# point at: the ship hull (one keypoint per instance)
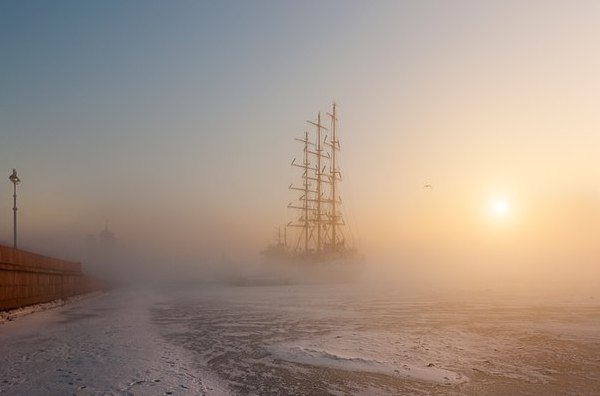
(315, 269)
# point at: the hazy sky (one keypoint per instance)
(174, 122)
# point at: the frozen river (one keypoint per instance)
(104, 344)
(305, 340)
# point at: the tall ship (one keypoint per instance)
(316, 239)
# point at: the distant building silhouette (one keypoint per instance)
(101, 250)
(107, 238)
(100, 244)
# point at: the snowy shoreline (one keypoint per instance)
(14, 314)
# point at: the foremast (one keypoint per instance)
(303, 205)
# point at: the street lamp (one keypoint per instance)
(15, 180)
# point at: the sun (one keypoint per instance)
(499, 207)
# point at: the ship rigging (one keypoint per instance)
(319, 224)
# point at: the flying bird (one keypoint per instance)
(427, 186)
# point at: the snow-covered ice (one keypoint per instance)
(104, 344)
(304, 340)
(325, 339)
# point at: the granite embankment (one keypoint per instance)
(27, 278)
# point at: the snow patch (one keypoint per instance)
(13, 314)
(315, 353)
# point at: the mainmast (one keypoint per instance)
(319, 179)
(334, 176)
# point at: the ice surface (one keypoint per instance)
(99, 345)
(343, 340)
(367, 352)
(304, 340)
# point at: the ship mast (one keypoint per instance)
(304, 221)
(320, 220)
(319, 179)
(334, 176)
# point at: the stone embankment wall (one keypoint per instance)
(28, 278)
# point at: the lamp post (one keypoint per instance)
(15, 180)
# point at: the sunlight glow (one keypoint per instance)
(500, 207)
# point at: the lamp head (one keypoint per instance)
(14, 178)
